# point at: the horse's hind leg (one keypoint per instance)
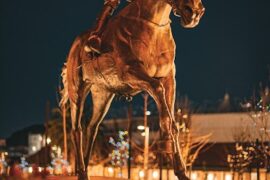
(76, 116)
(101, 102)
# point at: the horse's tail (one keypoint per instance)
(71, 74)
(64, 91)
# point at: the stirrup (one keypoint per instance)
(89, 49)
(93, 44)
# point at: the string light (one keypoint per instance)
(120, 154)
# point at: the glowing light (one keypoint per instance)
(50, 169)
(48, 140)
(148, 113)
(34, 148)
(59, 151)
(140, 127)
(194, 176)
(248, 105)
(210, 176)
(155, 174)
(141, 174)
(69, 169)
(30, 169)
(110, 170)
(54, 148)
(119, 155)
(253, 175)
(40, 138)
(143, 133)
(39, 169)
(228, 177)
(185, 116)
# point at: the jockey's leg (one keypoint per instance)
(94, 41)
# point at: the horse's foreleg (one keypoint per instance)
(101, 102)
(77, 136)
(178, 163)
(138, 79)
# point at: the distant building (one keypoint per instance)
(212, 162)
(225, 130)
(35, 143)
(18, 143)
(3, 143)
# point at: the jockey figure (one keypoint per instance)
(94, 41)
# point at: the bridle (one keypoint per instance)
(174, 7)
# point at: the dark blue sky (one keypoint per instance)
(228, 52)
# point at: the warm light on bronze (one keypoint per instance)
(137, 54)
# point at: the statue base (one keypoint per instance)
(75, 178)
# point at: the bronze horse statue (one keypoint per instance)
(138, 52)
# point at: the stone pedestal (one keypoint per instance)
(75, 178)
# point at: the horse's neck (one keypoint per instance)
(156, 11)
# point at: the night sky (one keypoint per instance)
(228, 52)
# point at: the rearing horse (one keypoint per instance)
(138, 52)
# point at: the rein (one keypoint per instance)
(146, 21)
(170, 2)
(174, 8)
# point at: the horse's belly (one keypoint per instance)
(106, 73)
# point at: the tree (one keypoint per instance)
(191, 145)
(252, 141)
(56, 135)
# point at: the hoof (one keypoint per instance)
(182, 176)
(83, 176)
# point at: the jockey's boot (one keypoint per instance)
(94, 41)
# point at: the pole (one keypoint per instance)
(146, 139)
(258, 161)
(160, 158)
(64, 132)
(146, 152)
(130, 138)
(47, 117)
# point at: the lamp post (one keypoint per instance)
(64, 132)
(130, 138)
(146, 139)
(47, 118)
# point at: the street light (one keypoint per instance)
(48, 140)
(34, 148)
(140, 127)
(228, 177)
(194, 176)
(141, 174)
(143, 134)
(110, 171)
(30, 170)
(155, 174)
(210, 176)
(185, 116)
